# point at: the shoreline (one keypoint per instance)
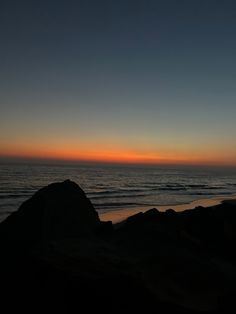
(119, 215)
(60, 255)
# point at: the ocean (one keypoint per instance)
(117, 187)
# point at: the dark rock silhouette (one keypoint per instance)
(56, 253)
(60, 210)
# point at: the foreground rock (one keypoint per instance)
(58, 211)
(56, 253)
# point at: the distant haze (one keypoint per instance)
(143, 82)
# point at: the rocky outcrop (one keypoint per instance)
(56, 253)
(57, 211)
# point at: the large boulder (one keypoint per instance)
(57, 211)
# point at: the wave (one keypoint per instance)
(213, 188)
(115, 191)
(14, 196)
(145, 191)
(120, 196)
(6, 212)
(170, 189)
(4, 190)
(210, 193)
(116, 204)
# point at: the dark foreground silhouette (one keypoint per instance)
(57, 255)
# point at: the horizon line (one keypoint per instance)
(33, 159)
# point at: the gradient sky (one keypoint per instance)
(128, 81)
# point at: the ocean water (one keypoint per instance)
(117, 187)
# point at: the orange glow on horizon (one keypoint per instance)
(114, 156)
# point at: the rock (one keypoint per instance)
(142, 217)
(136, 218)
(105, 228)
(57, 211)
(165, 262)
(151, 214)
(170, 212)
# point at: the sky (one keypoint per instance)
(119, 81)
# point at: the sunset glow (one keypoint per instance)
(117, 156)
(156, 85)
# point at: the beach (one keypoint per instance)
(57, 253)
(117, 216)
(119, 191)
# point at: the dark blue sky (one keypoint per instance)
(154, 76)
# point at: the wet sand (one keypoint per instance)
(122, 214)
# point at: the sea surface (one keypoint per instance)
(117, 187)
